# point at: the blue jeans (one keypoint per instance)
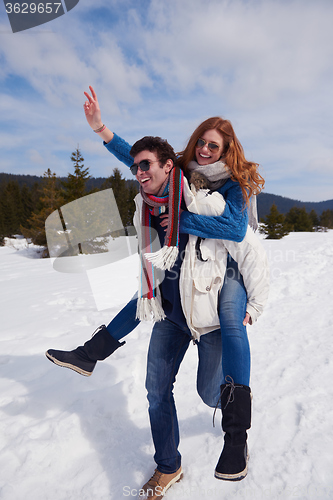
(221, 352)
(236, 358)
(125, 321)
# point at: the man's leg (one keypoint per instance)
(167, 348)
(209, 375)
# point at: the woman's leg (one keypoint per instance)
(104, 342)
(167, 348)
(226, 351)
(235, 394)
(125, 321)
(236, 358)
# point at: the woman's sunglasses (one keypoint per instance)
(143, 164)
(211, 145)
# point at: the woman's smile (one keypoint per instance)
(204, 155)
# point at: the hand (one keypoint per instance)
(165, 219)
(92, 110)
(247, 319)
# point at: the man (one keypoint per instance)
(158, 208)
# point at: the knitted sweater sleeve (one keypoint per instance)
(231, 225)
(120, 149)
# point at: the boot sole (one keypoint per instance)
(233, 477)
(68, 365)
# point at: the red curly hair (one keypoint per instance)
(243, 171)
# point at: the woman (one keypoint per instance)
(205, 261)
(212, 140)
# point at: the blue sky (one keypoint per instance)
(160, 67)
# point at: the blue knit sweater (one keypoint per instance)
(231, 225)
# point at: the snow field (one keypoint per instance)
(68, 437)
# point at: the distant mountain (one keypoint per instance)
(30, 180)
(265, 200)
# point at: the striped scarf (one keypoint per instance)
(155, 260)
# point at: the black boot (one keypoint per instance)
(236, 419)
(84, 358)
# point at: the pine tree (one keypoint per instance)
(27, 204)
(326, 219)
(120, 191)
(2, 222)
(11, 208)
(314, 219)
(51, 199)
(75, 185)
(132, 191)
(274, 225)
(298, 219)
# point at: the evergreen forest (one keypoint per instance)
(24, 208)
(27, 201)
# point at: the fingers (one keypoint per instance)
(246, 319)
(93, 93)
(90, 99)
(164, 221)
(86, 107)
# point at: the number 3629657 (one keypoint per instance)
(32, 8)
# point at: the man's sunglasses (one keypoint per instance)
(143, 164)
(211, 145)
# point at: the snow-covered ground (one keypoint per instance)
(68, 437)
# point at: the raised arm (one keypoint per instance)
(93, 115)
(231, 225)
(113, 143)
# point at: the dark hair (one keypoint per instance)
(243, 171)
(156, 145)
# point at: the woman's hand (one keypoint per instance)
(92, 110)
(247, 319)
(93, 115)
(164, 223)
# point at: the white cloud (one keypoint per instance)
(58, 67)
(323, 165)
(163, 67)
(36, 157)
(250, 52)
(123, 80)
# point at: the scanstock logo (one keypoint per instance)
(24, 15)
